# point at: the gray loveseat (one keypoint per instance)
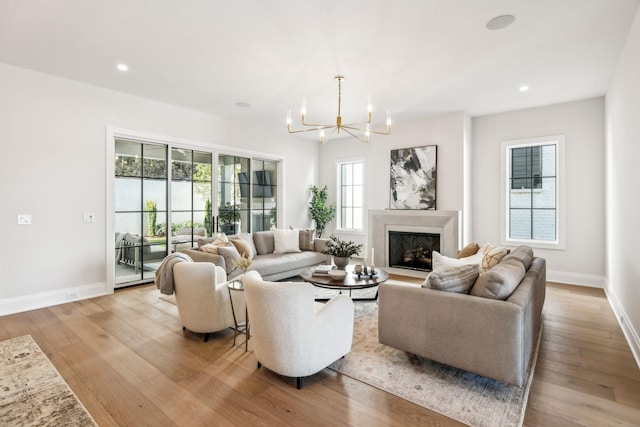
(271, 266)
(491, 337)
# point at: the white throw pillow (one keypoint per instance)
(440, 261)
(286, 241)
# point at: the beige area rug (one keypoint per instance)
(32, 392)
(457, 394)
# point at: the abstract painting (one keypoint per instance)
(413, 178)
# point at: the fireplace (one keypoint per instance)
(412, 251)
(429, 222)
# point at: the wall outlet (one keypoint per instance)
(89, 217)
(24, 219)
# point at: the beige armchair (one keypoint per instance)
(203, 299)
(291, 335)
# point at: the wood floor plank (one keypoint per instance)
(129, 361)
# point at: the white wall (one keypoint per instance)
(53, 166)
(446, 131)
(582, 122)
(623, 201)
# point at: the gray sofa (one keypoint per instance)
(271, 266)
(491, 337)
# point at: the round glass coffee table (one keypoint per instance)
(350, 282)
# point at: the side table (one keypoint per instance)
(236, 286)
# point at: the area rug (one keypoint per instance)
(457, 394)
(32, 392)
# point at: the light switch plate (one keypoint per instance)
(24, 219)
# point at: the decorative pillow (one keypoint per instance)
(230, 255)
(306, 237)
(286, 241)
(454, 279)
(248, 237)
(523, 253)
(202, 242)
(492, 256)
(221, 240)
(242, 246)
(264, 242)
(467, 251)
(440, 261)
(500, 281)
(210, 248)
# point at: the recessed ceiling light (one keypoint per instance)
(122, 67)
(243, 104)
(500, 22)
(524, 88)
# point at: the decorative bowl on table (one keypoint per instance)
(337, 274)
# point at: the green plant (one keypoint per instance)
(207, 216)
(227, 214)
(320, 212)
(341, 248)
(152, 214)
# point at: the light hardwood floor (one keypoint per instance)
(128, 360)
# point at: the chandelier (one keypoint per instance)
(361, 131)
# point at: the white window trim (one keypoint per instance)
(559, 141)
(353, 231)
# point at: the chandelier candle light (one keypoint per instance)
(361, 131)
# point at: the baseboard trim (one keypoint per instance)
(631, 335)
(47, 299)
(589, 280)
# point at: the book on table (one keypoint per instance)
(323, 270)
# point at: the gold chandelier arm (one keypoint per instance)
(355, 135)
(308, 130)
(317, 126)
(377, 132)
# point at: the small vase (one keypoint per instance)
(341, 262)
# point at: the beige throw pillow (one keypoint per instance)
(285, 241)
(440, 261)
(492, 256)
(467, 251)
(453, 279)
(243, 247)
(210, 248)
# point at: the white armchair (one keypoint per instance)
(203, 299)
(290, 334)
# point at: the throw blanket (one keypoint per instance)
(164, 273)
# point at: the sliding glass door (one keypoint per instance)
(140, 210)
(167, 197)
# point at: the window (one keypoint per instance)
(350, 199)
(532, 201)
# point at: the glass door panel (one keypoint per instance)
(264, 195)
(190, 197)
(233, 194)
(140, 202)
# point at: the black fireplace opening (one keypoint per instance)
(412, 251)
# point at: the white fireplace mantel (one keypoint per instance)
(381, 221)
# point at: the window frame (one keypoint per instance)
(339, 201)
(506, 147)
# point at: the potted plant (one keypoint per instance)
(228, 219)
(320, 212)
(341, 250)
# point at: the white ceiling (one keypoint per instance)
(413, 57)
